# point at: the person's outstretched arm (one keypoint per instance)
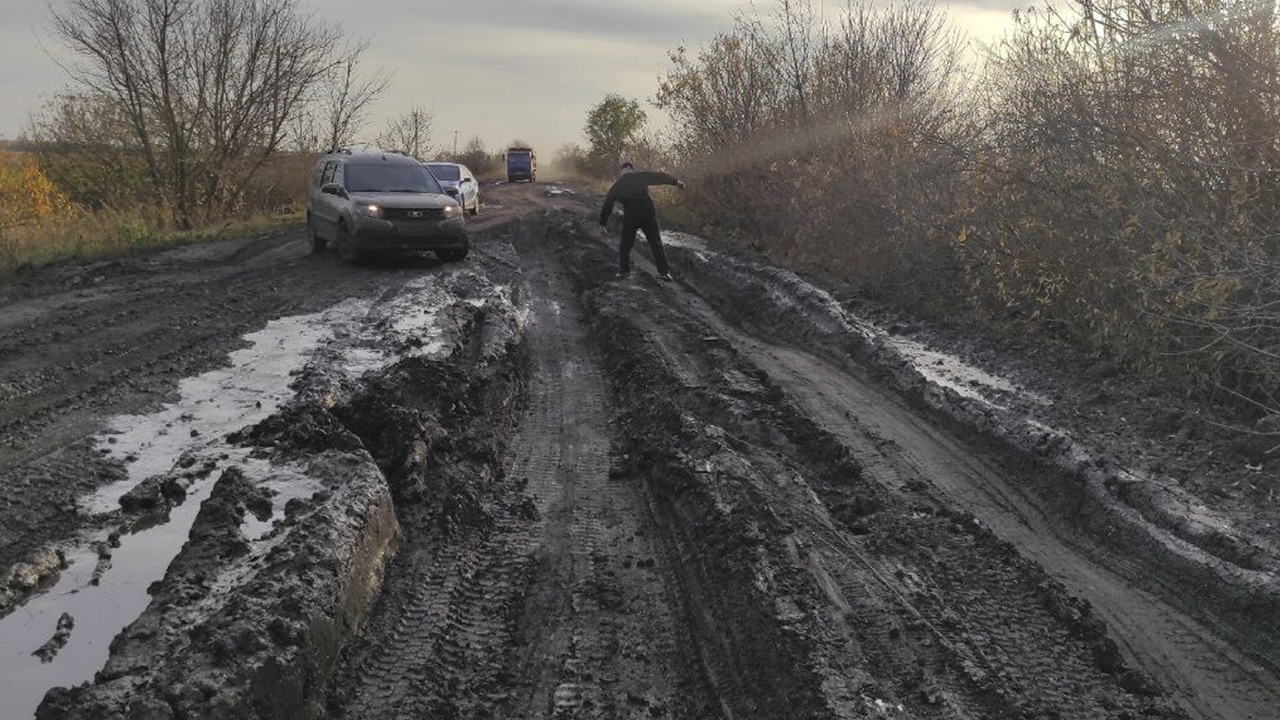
(654, 177)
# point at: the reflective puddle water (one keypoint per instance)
(103, 596)
(192, 430)
(955, 374)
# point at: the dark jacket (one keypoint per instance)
(632, 190)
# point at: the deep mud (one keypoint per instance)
(519, 488)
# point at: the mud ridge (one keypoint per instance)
(277, 634)
(438, 430)
(1211, 569)
(862, 587)
(252, 615)
(553, 596)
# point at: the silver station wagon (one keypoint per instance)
(373, 202)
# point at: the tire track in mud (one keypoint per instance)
(910, 603)
(951, 626)
(1193, 662)
(555, 611)
(597, 635)
(1205, 673)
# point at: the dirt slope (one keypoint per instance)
(714, 498)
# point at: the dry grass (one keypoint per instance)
(52, 212)
(113, 233)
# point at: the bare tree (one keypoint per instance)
(347, 96)
(797, 38)
(410, 133)
(208, 87)
(304, 132)
(727, 92)
(87, 147)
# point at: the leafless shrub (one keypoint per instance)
(1128, 196)
(825, 140)
(347, 96)
(86, 145)
(206, 88)
(478, 158)
(409, 133)
(1112, 178)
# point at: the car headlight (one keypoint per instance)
(450, 211)
(369, 209)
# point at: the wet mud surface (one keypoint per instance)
(515, 487)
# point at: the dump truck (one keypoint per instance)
(522, 164)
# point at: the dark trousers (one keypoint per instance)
(652, 233)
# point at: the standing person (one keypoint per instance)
(639, 213)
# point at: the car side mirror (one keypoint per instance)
(466, 180)
(333, 189)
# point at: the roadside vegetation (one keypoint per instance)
(1106, 174)
(50, 212)
(183, 120)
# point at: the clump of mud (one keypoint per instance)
(238, 629)
(26, 575)
(427, 425)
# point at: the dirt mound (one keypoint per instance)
(214, 644)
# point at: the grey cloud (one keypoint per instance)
(1005, 5)
(661, 20)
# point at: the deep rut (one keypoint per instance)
(920, 604)
(596, 638)
(1206, 674)
(559, 609)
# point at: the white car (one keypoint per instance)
(459, 184)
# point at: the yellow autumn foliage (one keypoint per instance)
(39, 224)
(27, 197)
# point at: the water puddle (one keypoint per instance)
(937, 367)
(955, 374)
(104, 594)
(99, 611)
(250, 389)
(684, 240)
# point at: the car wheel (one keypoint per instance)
(475, 208)
(318, 244)
(346, 245)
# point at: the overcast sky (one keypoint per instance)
(500, 69)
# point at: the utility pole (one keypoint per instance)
(455, 143)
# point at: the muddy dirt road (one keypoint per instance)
(241, 481)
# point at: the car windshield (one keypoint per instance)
(388, 177)
(446, 172)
